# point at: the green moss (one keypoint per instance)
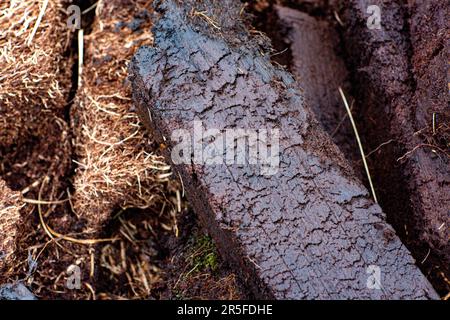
(204, 255)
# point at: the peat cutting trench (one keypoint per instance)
(292, 213)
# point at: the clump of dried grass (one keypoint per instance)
(129, 266)
(34, 86)
(35, 74)
(117, 168)
(10, 206)
(116, 165)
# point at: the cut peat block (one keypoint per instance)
(307, 229)
(400, 86)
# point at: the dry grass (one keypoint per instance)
(116, 167)
(34, 84)
(35, 75)
(361, 149)
(10, 206)
(129, 266)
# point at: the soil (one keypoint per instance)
(34, 134)
(116, 164)
(10, 206)
(182, 266)
(211, 70)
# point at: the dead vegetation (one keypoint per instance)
(60, 230)
(92, 191)
(32, 60)
(116, 165)
(117, 169)
(34, 137)
(435, 137)
(194, 269)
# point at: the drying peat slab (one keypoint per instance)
(299, 228)
(400, 83)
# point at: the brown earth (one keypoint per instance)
(34, 136)
(116, 163)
